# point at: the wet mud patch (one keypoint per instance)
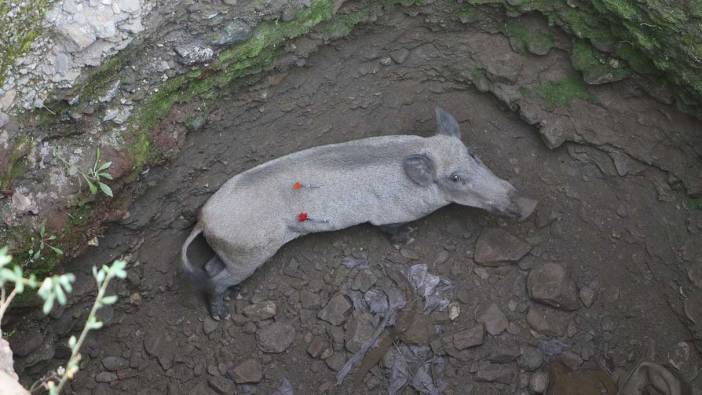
(624, 239)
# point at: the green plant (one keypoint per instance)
(96, 174)
(54, 289)
(35, 253)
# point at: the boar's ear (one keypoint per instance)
(446, 124)
(420, 169)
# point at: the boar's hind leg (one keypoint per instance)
(220, 282)
(399, 234)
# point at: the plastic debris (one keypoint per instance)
(399, 373)
(376, 300)
(395, 302)
(432, 288)
(353, 263)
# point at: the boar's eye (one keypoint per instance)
(455, 178)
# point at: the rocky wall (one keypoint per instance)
(138, 105)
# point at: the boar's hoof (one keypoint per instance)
(218, 307)
(398, 234)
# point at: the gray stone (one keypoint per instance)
(80, 35)
(587, 296)
(336, 361)
(399, 56)
(409, 253)
(310, 300)
(539, 47)
(504, 353)
(260, 311)
(531, 359)
(44, 352)
(359, 331)
(363, 281)
(189, 54)
(495, 247)
(234, 32)
(694, 272)
(111, 93)
(117, 115)
(22, 203)
(276, 337)
(550, 284)
(335, 311)
(495, 373)
(494, 319)
(419, 331)
(105, 377)
(248, 371)
(113, 363)
(553, 131)
(130, 6)
(547, 321)
(571, 359)
(317, 346)
(209, 325)
(62, 63)
(221, 385)
(538, 382)
(162, 347)
(24, 342)
(470, 337)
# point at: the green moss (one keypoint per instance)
(595, 66)
(19, 30)
(638, 62)
(528, 40)
(668, 34)
(562, 92)
(468, 15)
(15, 162)
(100, 81)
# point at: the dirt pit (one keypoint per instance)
(625, 243)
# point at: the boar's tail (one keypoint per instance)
(192, 248)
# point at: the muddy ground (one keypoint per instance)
(625, 236)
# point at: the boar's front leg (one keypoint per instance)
(399, 233)
(220, 282)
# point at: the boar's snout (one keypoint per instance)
(520, 207)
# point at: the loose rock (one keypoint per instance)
(310, 300)
(550, 284)
(105, 377)
(276, 337)
(317, 346)
(358, 332)
(209, 325)
(470, 337)
(494, 319)
(492, 372)
(335, 311)
(363, 281)
(113, 363)
(221, 384)
(504, 353)
(587, 296)
(538, 382)
(547, 321)
(495, 247)
(531, 359)
(260, 311)
(248, 371)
